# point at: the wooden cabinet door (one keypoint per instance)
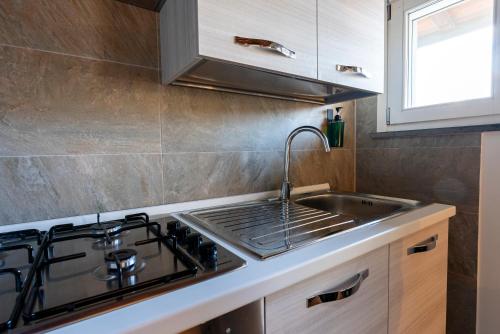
(351, 40)
(291, 23)
(417, 282)
(311, 306)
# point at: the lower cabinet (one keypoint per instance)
(417, 282)
(396, 289)
(351, 298)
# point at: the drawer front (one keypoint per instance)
(292, 24)
(313, 307)
(351, 39)
(417, 282)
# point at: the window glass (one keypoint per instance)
(449, 52)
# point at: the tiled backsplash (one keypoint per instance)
(85, 125)
(442, 169)
(97, 29)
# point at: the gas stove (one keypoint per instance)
(51, 278)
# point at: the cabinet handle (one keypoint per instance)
(342, 291)
(354, 70)
(265, 44)
(424, 246)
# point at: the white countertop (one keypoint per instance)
(184, 308)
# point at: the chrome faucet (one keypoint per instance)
(286, 186)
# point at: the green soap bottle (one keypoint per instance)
(335, 132)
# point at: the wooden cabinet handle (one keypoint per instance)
(342, 291)
(424, 246)
(265, 44)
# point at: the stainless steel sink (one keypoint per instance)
(268, 228)
(361, 206)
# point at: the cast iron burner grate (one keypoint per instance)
(18, 241)
(118, 262)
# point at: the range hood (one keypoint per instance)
(223, 76)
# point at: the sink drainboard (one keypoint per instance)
(273, 227)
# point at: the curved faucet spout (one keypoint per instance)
(286, 186)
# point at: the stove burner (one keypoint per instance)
(102, 244)
(124, 259)
(106, 228)
(104, 273)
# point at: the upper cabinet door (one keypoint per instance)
(280, 35)
(351, 43)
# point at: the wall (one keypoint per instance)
(488, 302)
(443, 169)
(85, 125)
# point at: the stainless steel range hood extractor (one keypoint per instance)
(224, 76)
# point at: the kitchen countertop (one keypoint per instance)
(184, 308)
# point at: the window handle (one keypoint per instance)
(342, 291)
(354, 70)
(265, 44)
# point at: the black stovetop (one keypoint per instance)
(48, 279)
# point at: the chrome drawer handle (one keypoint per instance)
(265, 44)
(354, 70)
(343, 291)
(424, 246)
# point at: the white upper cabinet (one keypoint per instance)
(287, 29)
(351, 43)
(287, 49)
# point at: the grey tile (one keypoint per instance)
(193, 176)
(316, 167)
(461, 305)
(54, 104)
(104, 29)
(40, 188)
(195, 120)
(366, 122)
(463, 244)
(443, 175)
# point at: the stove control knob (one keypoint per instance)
(208, 252)
(182, 234)
(193, 242)
(172, 227)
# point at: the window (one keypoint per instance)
(442, 56)
(443, 39)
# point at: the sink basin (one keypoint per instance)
(363, 207)
(268, 228)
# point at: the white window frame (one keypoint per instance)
(392, 114)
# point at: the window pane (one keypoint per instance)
(449, 52)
